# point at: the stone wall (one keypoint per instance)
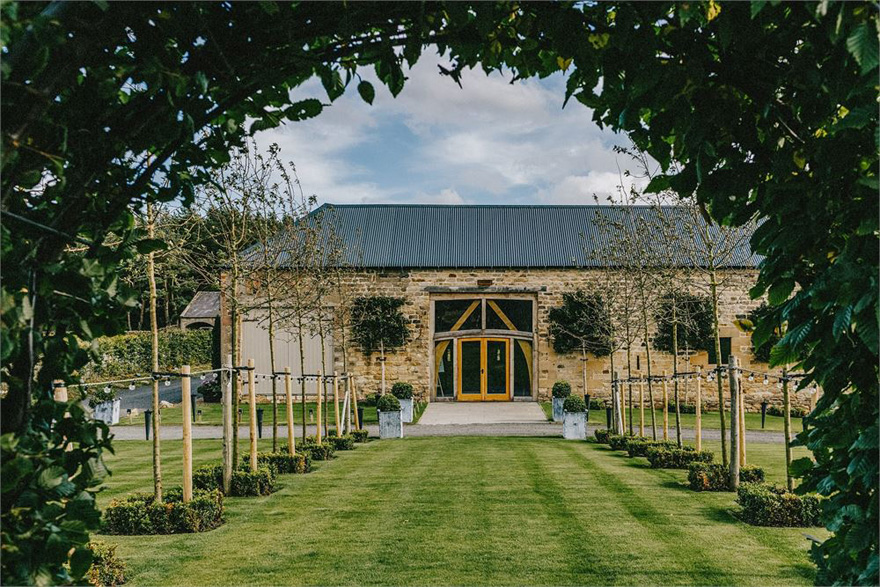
(413, 363)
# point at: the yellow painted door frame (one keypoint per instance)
(483, 394)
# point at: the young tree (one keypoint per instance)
(378, 324)
(582, 323)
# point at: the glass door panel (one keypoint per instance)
(470, 382)
(496, 368)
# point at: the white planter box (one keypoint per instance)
(574, 426)
(406, 410)
(108, 412)
(390, 425)
(557, 408)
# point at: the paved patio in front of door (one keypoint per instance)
(469, 413)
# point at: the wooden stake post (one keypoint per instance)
(354, 403)
(698, 423)
(742, 425)
(252, 399)
(336, 402)
(318, 409)
(733, 375)
(60, 390)
(288, 397)
(665, 409)
(186, 414)
(641, 406)
(228, 465)
(786, 409)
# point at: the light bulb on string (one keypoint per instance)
(779, 384)
(202, 376)
(167, 382)
(107, 389)
(766, 380)
(751, 377)
(131, 386)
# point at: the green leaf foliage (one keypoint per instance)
(693, 317)
(581, 323)
(377, 322)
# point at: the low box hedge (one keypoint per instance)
(360, 435)
(601, 435)
(107, 569)
(318, 452)
(618, 441)
(282, 462)
(764, 504)
(676, 458)
(638, 446)
(245, 483)
(344, 442)
(139, 513)
(716, 477)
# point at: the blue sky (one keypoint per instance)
(488, 143)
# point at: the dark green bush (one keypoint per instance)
(107, 569)
(618, 441)
(716, 477)
(778, 411)
(686, 408)
(402, 390)
(345, 442)
(140, 514)
(131, 353)
(211, 391)
(676, 458)
(638, 446)
(574, 403)
(369, 401)
(360, 435)
(317, 452)
(597, 404)
(601, 435)
(764, 504)
(282, 462)
(245, 483)
(561, 389)
(388, 403)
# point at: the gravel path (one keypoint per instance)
(542, 429)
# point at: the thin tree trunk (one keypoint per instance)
(141, 316)
(323, 397)
(167, 303)
(786, 410)
(584, 368)
(274, 381)
(302, 373)
(675, 373)
(648, 361)
(154, 340)
(713, 283)
(236, 361)
(629, 384)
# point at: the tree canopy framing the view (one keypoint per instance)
(768, 109)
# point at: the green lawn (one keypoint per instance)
(710, 420)
(212, 415)
(460, 510)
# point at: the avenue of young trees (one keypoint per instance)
(759, 111)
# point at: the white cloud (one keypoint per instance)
(590, 188)
(492, 140)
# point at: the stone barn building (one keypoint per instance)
(478, 284)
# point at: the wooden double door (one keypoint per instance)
(483, 369)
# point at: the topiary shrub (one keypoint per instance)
(107, 569)
(574, 404)
(360, 435)
(245, 483)
(211, 391)
(317, 452)
(716, 477)
(561, 389)
(764, 504)
(282, 462)
(601, 435)
(402, 390)
(638, 446)
(388, 403)
(345, 442)
(676, 458)
(140, 514)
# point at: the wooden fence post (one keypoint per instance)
(742, 424)
(226, 398)
(336, 402)
(354, 403)
(186, 414)
(318, 409)
(59, 390)
(733, 376)
(291, 442)
(665, 409)
(786, 409)
(252, 399)
(698, 420)
(619, 405)
(641, 405)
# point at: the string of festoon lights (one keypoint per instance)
(165, 378)
(719, 371)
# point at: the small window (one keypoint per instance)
(725, 351)
(454, 315)
(509, 315)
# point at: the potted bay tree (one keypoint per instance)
(561, 390)
(390, 420)
(574, 423)
(404, 393)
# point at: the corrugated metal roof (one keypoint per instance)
(466, 236)
(205, 304)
